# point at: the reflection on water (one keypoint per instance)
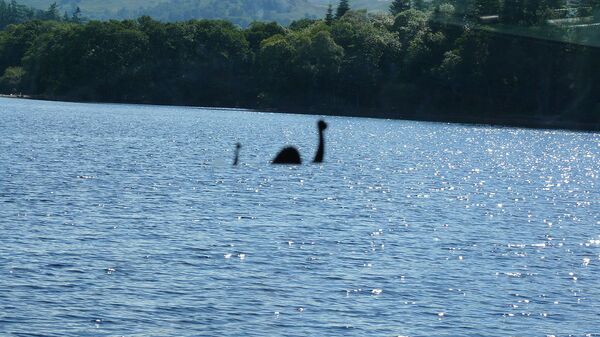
(131, 220)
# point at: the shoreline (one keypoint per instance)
(422, 116)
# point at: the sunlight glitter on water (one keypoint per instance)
(156, 234)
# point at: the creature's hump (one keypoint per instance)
(288, 155)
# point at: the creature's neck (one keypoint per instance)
(321, 150)
(237, 156)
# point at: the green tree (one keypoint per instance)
(398, 6)
(329, 16)
(342, 9)
(76, 17)
(13, 9)
(260, 31)
(442, 15)
(275, 63)
(423, 46)
(369, 54)
(52, 13)
(17, 40)
(12, 80)
(13, 12)
(101, 60)
(300, 68)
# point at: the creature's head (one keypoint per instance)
(322, 125)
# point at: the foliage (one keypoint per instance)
(12, 79)
(13, 12)
(260, 31)
(329, 16)
(419, 63)
(343, 8)
(398, 6)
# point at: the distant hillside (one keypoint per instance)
(239, 11)
(372, 5)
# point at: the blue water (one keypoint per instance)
(120, 220)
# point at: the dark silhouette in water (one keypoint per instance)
(238, 146)
(290, 155)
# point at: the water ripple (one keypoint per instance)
(129, 220)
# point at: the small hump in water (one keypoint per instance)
(288, 155)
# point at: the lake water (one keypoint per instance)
(122, 220)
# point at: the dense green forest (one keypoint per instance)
(485, 61)
(13, 12)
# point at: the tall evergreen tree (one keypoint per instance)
(13, 9)
(329, 15)
(399, 6)
(52, 13)
(343, 7)
(76, 15)
(13, 12)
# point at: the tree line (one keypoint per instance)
(12, 13)
(423, 60)
(240, 12)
